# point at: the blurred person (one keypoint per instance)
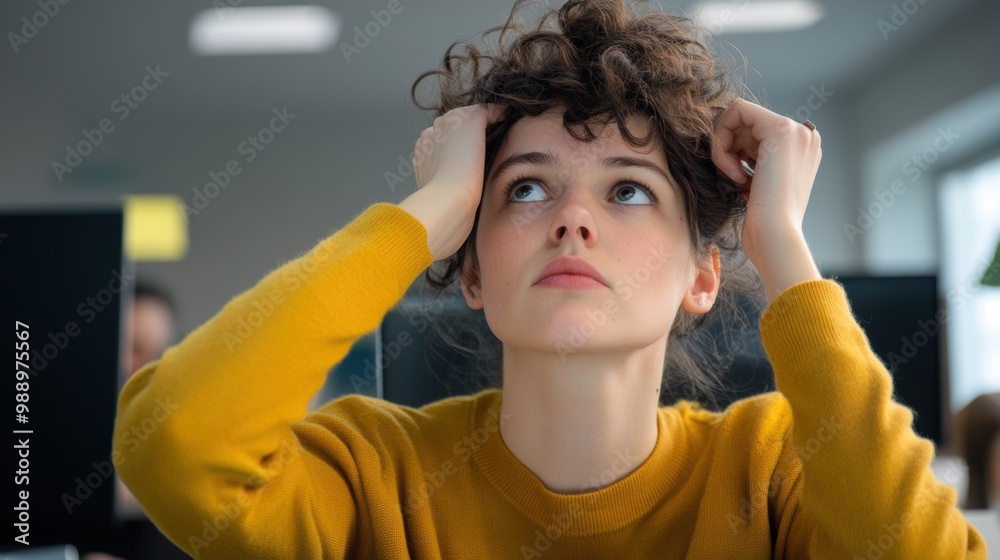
(582, 187)
(152, 322)
(978, 443)
(151, 327)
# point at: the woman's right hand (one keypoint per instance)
(448, 162)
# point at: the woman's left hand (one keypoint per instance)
(787, 156)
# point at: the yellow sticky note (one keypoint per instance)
(155, 229)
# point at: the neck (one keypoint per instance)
(580, 421)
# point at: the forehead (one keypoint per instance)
(545, 132)
(149, 307)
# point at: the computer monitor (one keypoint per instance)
(891, 311)
(64, 277)
(413, 370)
(899, 316)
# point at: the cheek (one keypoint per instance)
(500, 251)
(652, 269)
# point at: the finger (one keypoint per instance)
(746, 145)
(743, 113)
(739, 136)
(751, 124)
(734, 117)
(723, 156)
(733, 133)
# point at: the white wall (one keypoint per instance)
(893, 116)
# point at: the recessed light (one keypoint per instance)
(757, 16)
(263, 30)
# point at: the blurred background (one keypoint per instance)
(275, 138)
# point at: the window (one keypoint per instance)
(970, 230)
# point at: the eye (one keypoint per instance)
(628, 191)
(521, 190)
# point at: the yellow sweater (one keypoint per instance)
(215, 441)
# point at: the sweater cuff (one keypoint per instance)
(804, 314)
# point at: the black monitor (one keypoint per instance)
(413, 370)
(62, 285)
(891, 310)
(900, 317)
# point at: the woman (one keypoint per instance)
(590, 249)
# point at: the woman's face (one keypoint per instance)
(586, 203)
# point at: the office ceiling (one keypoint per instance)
(90, 53)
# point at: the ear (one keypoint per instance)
(470, 283)
(701, 295)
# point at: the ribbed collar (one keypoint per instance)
(607, 509)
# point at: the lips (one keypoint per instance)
(571, 265)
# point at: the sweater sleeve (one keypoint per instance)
(207, 437)
(866, 488)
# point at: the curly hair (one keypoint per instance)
(603, 61)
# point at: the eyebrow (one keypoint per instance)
(547, 158)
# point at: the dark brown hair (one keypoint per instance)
(603, 61)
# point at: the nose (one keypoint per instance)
(573, 221)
